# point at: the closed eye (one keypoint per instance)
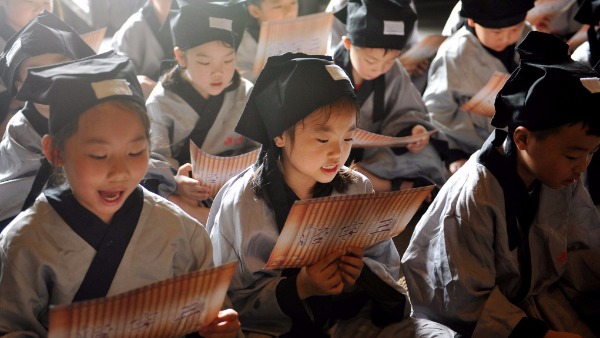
(322, 140)
(139, 153)
(97, 157)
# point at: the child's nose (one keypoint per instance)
(119, 169)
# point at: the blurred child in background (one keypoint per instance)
(464, 64)
(44, 41)
(202, 97)
(260, 11)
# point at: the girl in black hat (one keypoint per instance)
(202, 97)
(101, 234)
(303, 111)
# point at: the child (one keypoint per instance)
(260, 11)
(511, 244)
(389, 103)
(416, 70)
(102, 234)
(44, 41)
(464, 64)
(202, 98)
(146, 38)
(14, 15)
(306, 135)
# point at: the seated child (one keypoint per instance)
(464, 63)
(389, 103)
(100, 234)
(44, 41)
(303, 111)
(14, 15)
(146, 38)
(202, 97)
(511, 244)
(260, 11)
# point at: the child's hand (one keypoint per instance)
(350, 267)
(454, 166)
(147, 85)
(226, 325)
(321, 278)
(189, 188)
(417, 146)
(415, 67)
(556, 334)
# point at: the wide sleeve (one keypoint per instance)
(453, 79)
(242, 229)
(450, 264)
(581, 279)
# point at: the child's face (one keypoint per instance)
(319, 149)
(20, 12)
(38, 61)
(497, 39)
(559, 159)
(369, 63)
(106, 158)
(209, 67)
(274, 10)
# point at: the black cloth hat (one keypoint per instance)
(548, 88)
(289, 88)
(496, 13)
(72, 88)
(199, 22)
(45, 34)
(380, 23)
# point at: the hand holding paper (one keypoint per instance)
(170, 308)
(316, 228)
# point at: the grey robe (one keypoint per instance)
(461, 272)
(169, 112)
(404, 108)
(243, 229)
(20, 155)
(461, 67)
(136, 40)
(43, 261)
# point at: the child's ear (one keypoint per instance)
(521, 137)
(50, 151)
(279, 141)
(470, 22)
(347, 42)
(254, 11)
(179, 56)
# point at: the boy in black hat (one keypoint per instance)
(260, 11)
(101, 234)
(463, 65)
(389, 103)
(510, 246)
(44, 41)
(202, 97)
